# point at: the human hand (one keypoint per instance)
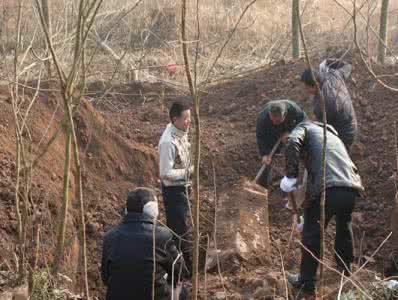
(284, 137)
(266, 160)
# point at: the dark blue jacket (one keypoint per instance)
(339, 108)
(127, 260)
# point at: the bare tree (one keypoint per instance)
(323, 178)
(394, 216)
(62, 218)
(20, 154)
(73, 83)
(383, 30)
(47, 20)
(295, 29)
(22, 104)
(195, 89)
(195, 100)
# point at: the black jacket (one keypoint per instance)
(127, 260)
(339, 108)
(268, 133)
(306, 141)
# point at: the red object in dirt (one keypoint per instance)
(263, 94)
(172, 68)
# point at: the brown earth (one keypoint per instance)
(228, 114)
(111, 167)
(118, 149)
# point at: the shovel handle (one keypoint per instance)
(275, 147)
(293, 203)
(271, 155)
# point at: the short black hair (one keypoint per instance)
(176, 109)
(307, 78)
(137, 198)
(278, 108)
(335, 63)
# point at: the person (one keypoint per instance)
(129, 254)
(175, 171)
(343, 187)
(275, 120)
(340, 111)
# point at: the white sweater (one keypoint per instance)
(175, 157)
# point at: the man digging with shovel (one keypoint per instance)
(274, 123)
(343, 185)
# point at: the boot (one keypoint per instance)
(295, 280)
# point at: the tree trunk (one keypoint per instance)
(383, 31)
(295, 29)
(196, 204)
(47, 20)
(195, 180)
(394, 218)
(65, 201)
(323, 178)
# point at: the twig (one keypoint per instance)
(396, 155)
(172, 278)
(205, 264)
(215, 225)
(154, 262)
(363, 266)
(209, 73)
(195, 100)
(361, 248)
(334, 270)
(341, 288)
(291, 235)
(59, 250)
(283, 271)
(371, 257)
(370, 71)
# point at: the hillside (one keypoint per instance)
(118, 134)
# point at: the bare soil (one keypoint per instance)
(118, 136)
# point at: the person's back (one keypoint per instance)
(127, 261)
(343, 187)
(340, 111)
(131, 264)
(337, 98)
(340, 170)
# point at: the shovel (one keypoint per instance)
(293, 204)
(263, 175)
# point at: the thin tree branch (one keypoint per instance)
(368, 68)
(210, 71)
(323, 179)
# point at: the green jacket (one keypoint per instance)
(268, 133)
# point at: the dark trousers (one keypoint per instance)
(340, 202)
(177, 216)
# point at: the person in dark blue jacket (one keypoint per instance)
(130, 253)
(340, 111)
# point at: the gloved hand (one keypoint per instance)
(288, 184)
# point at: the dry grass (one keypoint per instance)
(148, 37)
